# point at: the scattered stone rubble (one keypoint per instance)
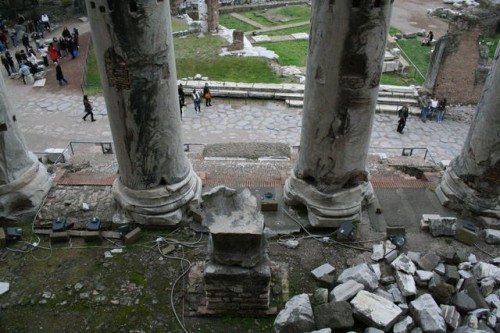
(417, 292)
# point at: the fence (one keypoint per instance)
(413, 72)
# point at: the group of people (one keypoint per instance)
(196, 97)
(27, 63)
(21, 29)
(431, 105)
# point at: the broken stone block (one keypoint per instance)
(388, 247)
(326, 281)
(472, 289)
(197, 214)
(345, 291)
(132, 236)
(451, 275)
(424, 275)
(487, 285)
(428, 314)
(334, 315)
(404, 264)
(4, 287)
(429, 261)
(440, 269)
(391, 256)
(414, 256)
(236, 227)
(323, 330)
(463, 302)
(362, 274)
(491, 236)
(373, 330)
(465, 274)
(376, 269)
(451, 316)
(406, 284)
(404, 326)
(482, 270)
(493, 300)
(466, 236)
(465, 266)
(444, 226)
(296, 317)
(375, 310)
(396, 295)
(404, 308)
(388, 280)
(377, 252)
(91, 236)
(325, 269)
(441, 291)
(384, 294)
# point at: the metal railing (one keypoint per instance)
(415, 68)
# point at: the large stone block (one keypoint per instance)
(296, 317)
(428, 314)
(345, 291)
(334, 315)
(236, 227)
(375, 310)
(361, 274)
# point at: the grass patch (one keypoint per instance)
(291, 53)
(178, 24)
(233, 23)
(393, 31)
(491, 42)
(195, 55)
(419, 55)
(93, 86)
(280, 15)
(393, 79)
(289, 31)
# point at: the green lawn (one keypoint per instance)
(492, 43)
(280, 15)
(233, 23)
(288, 31)
(419, 55)
(291, 53)
(93, 86)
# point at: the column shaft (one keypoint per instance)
(135, 55)
(472, 180)
(346, 51)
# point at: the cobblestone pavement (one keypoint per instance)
(52, 120)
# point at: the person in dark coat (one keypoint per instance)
(11, 61)
(5, 64)
(88, 108)
(207, 95)
(59, 75)
(403, 115)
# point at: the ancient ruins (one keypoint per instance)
(156, 181)
(343, 74)
(24, 181)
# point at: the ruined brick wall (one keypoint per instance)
(459, 77)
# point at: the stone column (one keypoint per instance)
(135, 56)
(203, 15)
(344, 64)
(472, 181)
(213, 15)
(24, 181)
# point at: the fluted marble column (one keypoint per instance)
(472, 181)
(135, 55)
(24, 181)
(344, 64)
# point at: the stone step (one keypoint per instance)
(396, 100)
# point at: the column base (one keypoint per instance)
(165, 206)
(21, 199)
(328, 210)
(452, 192)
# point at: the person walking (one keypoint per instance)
(59, 75)
(180, 92)
(196, 100)
(403, 115)
(45, 21)
(10, 61)
(425, 103)
(5, 63)
(88, 109)
(207, 95)
(441, 110)
(26, 42)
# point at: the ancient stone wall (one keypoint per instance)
(454, 71)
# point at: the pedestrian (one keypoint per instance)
(434, 106)
(25, 71)
(19, 58)
(5, 63)
(428, 39)
(63, 47)
(424, 102)
(403, 115)
(26, 42)
(196, 100)
(66, 33)
(52, 50)
(207, 95)
(11, 61)
(46, 22)
(88, 108)
(59, 75)
(441, 110)
(13, 36)
(180, 91)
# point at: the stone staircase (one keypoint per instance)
(390, 98)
